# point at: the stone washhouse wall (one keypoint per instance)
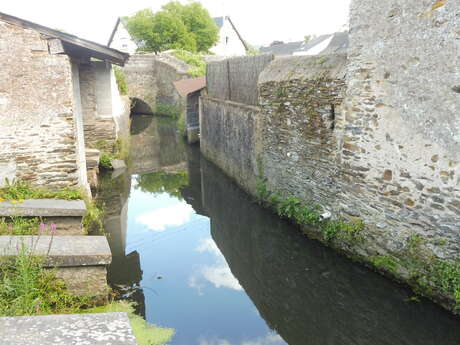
(38, 121)
(150, 78)
(372, 137)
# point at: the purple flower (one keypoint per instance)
(53, 228)
(17, 247)
(42, 228)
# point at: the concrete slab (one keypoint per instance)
(79, 329)
(44, 208)
(61, 251)
(118, 164)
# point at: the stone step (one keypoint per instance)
(44, 208)
(61, 251)
(75, 329)
(80, 261)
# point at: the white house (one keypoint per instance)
(230, 41)
(120, 38)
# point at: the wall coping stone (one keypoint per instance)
(231, 103)
(96, 329)
(44, 208)
(287, 68)
(61, 251)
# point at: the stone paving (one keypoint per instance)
(78, 329)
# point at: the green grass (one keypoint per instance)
(26, 288)
(145, 333)
(19, 225)
(196, 61)
(20, 191)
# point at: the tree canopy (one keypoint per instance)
(175, 26)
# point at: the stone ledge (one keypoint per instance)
(94, 329)
(65, 251)
(44, 208)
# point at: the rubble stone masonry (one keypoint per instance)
(37, 124)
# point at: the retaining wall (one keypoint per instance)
(373, 137)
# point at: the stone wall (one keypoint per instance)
(96, 98)
(150, 78)
(301, 99)
(228, 138)
(372, 137)
(38, 135)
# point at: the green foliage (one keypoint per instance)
(385, 262)
(168, 110)
(121, 80)
(20, 191)
(105, 161)
(293, 208)
(145, 333)
(251, 50)
(26, 288)
(175, 26)
(197, 21)
(163, 182)
(195, 60)
(111, 151)
(19, 225)
(447, 277)
(93, 220)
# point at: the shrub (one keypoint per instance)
(121, 80)
(196, 61)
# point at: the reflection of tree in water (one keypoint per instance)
(163, 182)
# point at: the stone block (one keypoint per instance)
(118, 164)
(61, 251)
(94, 329)
(44, 208)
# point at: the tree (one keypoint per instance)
(159, 31)
(175, 26)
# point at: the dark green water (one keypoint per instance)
(200, 257)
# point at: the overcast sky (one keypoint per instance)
(259, 21)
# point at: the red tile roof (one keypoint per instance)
(186, 86)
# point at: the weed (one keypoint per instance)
(385, 262)
(196, 61)
(121, 80)
(93, 220)
(19, 225)
(26, 288)
(19, 191)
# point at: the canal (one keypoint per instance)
(198, 255)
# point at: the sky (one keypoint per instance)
(260, 22)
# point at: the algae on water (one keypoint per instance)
(145, 333)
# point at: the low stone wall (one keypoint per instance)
(301, 99)
(228, 138)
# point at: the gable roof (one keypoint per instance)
(220, 23)
(73, 45)
(282, 49)
(335, 43)
(120, 20)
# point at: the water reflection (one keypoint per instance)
(203, 259)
